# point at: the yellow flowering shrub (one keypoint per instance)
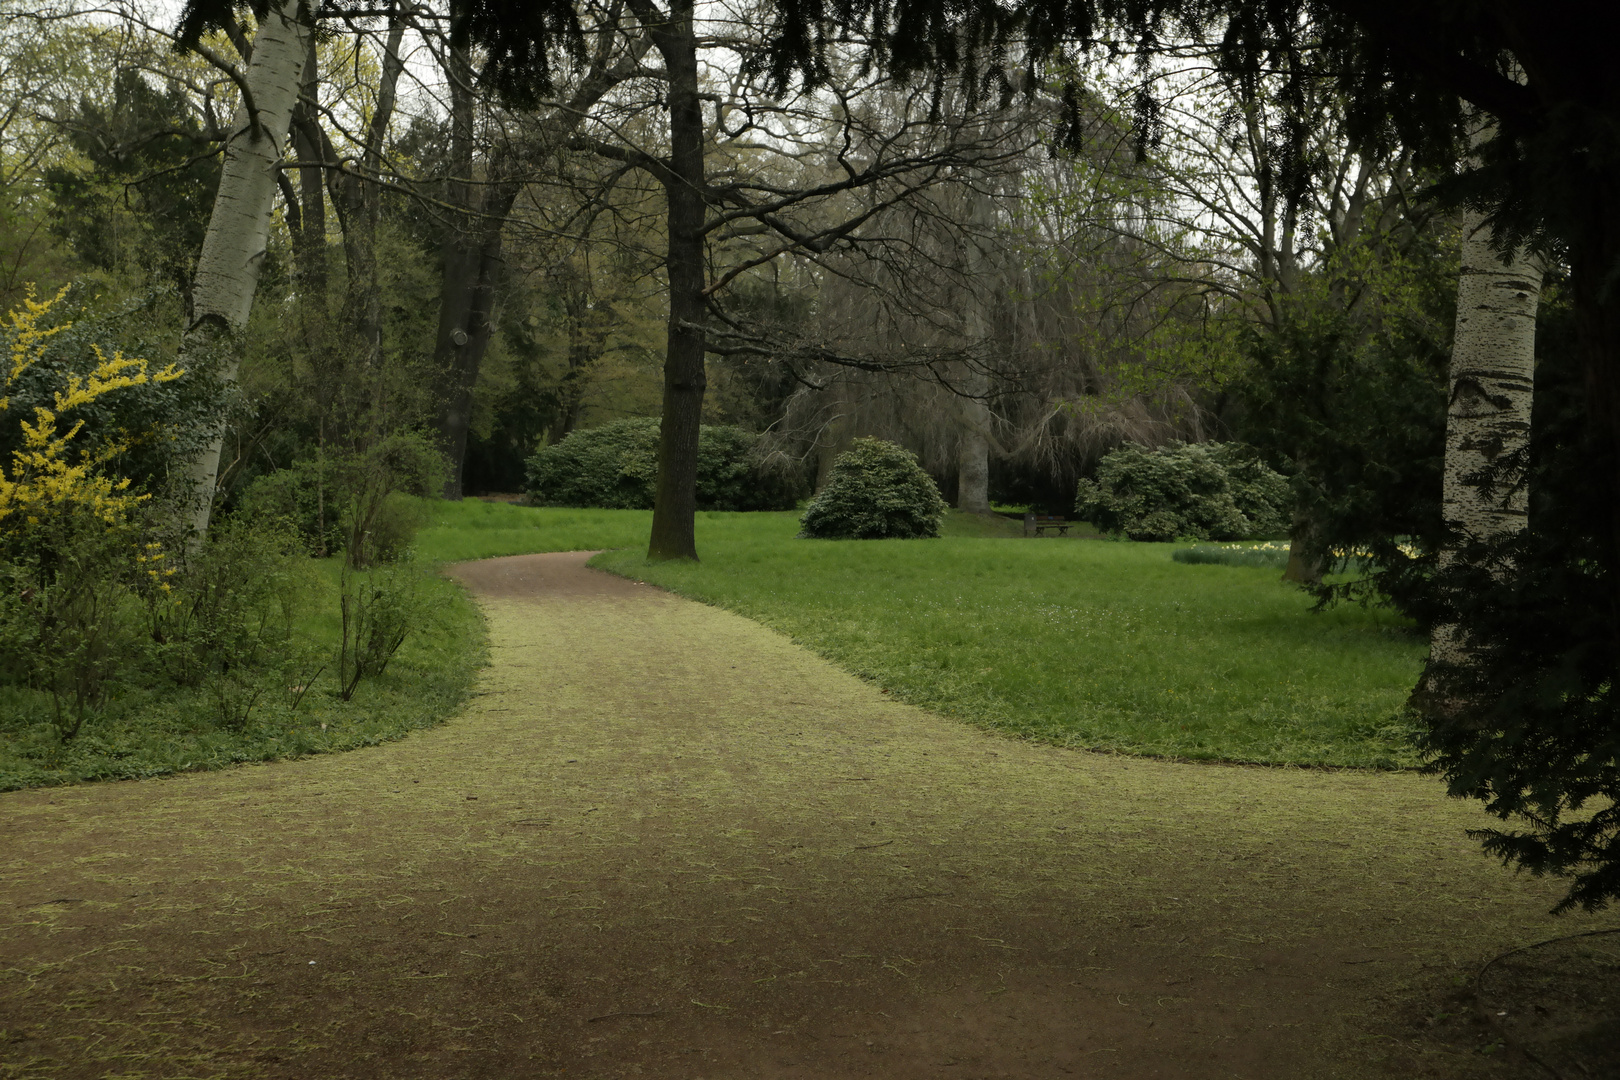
(49, 472)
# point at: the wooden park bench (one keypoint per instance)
(1035, 524)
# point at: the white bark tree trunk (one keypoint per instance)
(1492, 371)
(238, 229)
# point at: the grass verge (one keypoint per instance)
(474, 529)
(152, 731)
(1109, 646)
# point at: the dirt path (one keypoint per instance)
(665, 842)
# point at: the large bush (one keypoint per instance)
(876, 490)
(615, 467)
(1206, 491)
(1262, 494)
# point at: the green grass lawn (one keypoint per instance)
(473, 529)
(1081, 642)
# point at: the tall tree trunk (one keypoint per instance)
(309, 246)
(472, 264)
(835, 435)
(973, 450)
(584, 349)
(356, 197)
(1303, 568)
(675, 505)
(472, 257)
(238, 229)
(471, 248)
(1492, 373)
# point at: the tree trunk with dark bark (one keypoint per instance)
(584, 349)
(675, 505)
(472, 258)
(309, 245)
(357, 199)
(973, 449)
(472, 266)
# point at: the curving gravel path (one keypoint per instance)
(666, 842)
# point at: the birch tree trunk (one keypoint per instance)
(1492, 370)
(238, 229)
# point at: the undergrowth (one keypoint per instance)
(145, 731)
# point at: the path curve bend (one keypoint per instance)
(663, 841)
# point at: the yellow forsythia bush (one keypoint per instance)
(48, 472)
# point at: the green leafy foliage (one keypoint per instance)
(144, 190)
(67, 615)
(379, 611)
(233, 603)
(1273, 556)
(875, 491)
(286, 704)
(1202, 491)
(145, 431)
(356, 501)
(101, 614)
(615, 467)
(1355, 415)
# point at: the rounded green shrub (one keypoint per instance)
(615, 467)
(1202, 491)
(876, 490)
(1262, 494)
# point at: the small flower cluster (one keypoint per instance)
(159, 576)
(1409, 550)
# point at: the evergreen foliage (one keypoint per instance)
(141, 191)
(876, 491)
(1528, 725)
(615, 467)
(1352, 406)
(1204, 491)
